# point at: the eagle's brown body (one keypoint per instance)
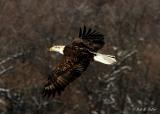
(77, 57)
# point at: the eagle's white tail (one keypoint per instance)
(102, 58)
(105, 59)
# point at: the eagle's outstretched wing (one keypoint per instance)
(77, 57)
(58, 84)
(91, 38)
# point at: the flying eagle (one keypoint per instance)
(76, 58)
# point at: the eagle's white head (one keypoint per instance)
(57, 49)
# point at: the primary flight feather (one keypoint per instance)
(76, 58)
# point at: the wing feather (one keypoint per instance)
(91, 38)
(80, 32)
(89, 31)
(84, 30)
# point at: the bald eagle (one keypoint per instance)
(76, 58)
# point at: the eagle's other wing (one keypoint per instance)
(91, 38)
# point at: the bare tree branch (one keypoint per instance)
(6, 70)
(11, 57)
(4, 61)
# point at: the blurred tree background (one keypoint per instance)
(132, 33)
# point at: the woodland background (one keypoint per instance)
(132, 33)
